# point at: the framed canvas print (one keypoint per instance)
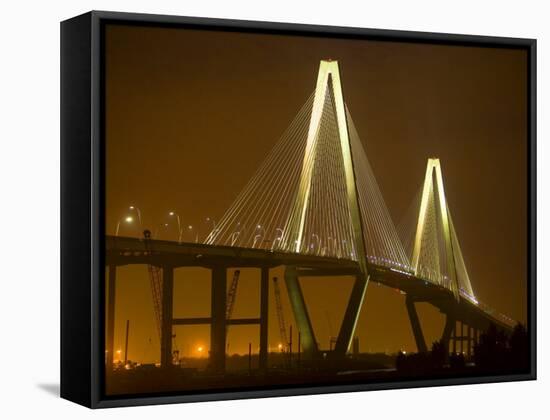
(255, 209)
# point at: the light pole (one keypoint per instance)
(344, 247)
(208, 220)
(277, 238)
(180, 230)
(190, 228)
(258, 235)
(138, 211)
(127, 219)
(162, 225)
(235, 235)
(318, 241)
(354, 251)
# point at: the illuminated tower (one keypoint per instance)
(328, 83)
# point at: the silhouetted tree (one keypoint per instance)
(457, 361)
(419, 363)
(519, 348)
(492, 351)
(400, 361)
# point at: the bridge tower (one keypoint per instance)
(433, 169)
(328, 83)
(437, 256)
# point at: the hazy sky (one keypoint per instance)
(191, 114)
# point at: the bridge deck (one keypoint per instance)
(125, 251)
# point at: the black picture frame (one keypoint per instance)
(83, 195)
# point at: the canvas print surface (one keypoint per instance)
(290, 211)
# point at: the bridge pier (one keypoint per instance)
(167, 316)
(469, 338)
(416, 327)
(450, 324)
(462, 338)
(110, 329)
(218, 325)
(298, 304)
(305, 329)
(455, 332)
(352, 314)
(264, 306)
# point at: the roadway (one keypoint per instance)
(126, 250)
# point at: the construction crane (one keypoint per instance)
(232, 295)
(280, 316)
(155, 277)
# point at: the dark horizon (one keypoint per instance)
(185, 112)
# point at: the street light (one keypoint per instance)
(127, 219)
(180, 230)
(162, 225)
(344, 247)
(138, 211)
(255, 239)
(190, 228)
(318, 241)
(277, 238)
(212, 232)
(209, 220)
(235, 235)
(258, 235)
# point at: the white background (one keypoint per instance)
(29, 207)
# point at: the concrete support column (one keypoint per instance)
(416, 327)
(218, 326)
(110, 325)
(447, 330)
(455, 330)
(351, 315)
(461, 337)
(469, 343)
(264, 301)
(475, 340)
(167, 316)
(298, 304)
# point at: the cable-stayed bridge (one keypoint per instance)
(314, 207)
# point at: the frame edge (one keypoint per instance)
(76, 224)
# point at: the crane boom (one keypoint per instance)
(155, 277)
(232, 295)
(280, 316)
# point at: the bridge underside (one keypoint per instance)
(170, 255)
